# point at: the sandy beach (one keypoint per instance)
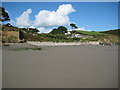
(63, 43)
(61, 67)
(0, 67)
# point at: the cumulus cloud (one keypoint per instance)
(41, 29)
(23, 20)
(45, 19)
(82, 28)
(65, 9)
(31, 27)
(44, 30)
(59, 17)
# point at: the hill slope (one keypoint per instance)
(110, 36)
(113, 32)
(90, 32)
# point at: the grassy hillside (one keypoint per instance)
(89, 32)
(113, 32)
(10, 28)
(113, 36)
(110, 36)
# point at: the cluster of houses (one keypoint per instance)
(76, 35)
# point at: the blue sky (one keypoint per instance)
(94, 16)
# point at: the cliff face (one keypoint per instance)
(10, 36)
(113, 36)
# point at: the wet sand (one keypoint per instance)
(0, 67)
(61, 67)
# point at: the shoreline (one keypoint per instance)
(62, 43)
(38, 45)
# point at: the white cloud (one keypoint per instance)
(12, 22)
(45, 18)
(41, 30)
(31, 27)
(44, 30)
(65, 9)
(23, 20)
(82, 28)
(59, 17)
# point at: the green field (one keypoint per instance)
(90, 32)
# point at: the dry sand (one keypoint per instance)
(61, 67)
(63, 43)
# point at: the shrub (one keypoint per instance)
(12, 39)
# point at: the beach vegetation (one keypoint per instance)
(26, 48)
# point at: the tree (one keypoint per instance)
(30, 30)
(9, 25)
(33, 30)
(62, 29)
(54, 31)
(4, 15)
(59, 30)
(73, 25)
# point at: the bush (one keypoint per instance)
(76, 39)
(12, 39)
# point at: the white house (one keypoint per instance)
(75, 35)
(68, 33)
(80, 36)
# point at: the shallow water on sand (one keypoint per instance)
(61, 67)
